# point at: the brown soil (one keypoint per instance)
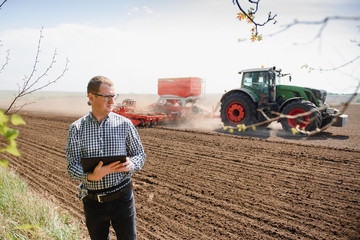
(212, 185)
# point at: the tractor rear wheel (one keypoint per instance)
(309, 122)
(237, 108)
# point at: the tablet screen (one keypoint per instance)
(89, 163)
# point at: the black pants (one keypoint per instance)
(120, 213)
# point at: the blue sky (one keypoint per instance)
(135, 42)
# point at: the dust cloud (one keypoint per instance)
(204, 124)
(75, 104)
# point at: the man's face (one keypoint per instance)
(98, 103)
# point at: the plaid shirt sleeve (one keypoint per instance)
(134, 149)
(73, 155)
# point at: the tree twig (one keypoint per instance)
(32, 84)
(330, 69)
(2, 3)
(7, 59)
(250, 15)
(323, 23)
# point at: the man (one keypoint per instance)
(106, 192)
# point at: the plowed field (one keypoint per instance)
(199, 184)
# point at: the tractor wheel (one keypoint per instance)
(309, 122)
(237, 108)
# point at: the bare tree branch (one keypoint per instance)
(16, 108)
(330, 69)
(32, 84)
(323, 23)
(251, 13)
(250, 16)
(2, 3)
(7, 59)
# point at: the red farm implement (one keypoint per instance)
(177, 98)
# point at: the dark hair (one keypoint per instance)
(95, 82)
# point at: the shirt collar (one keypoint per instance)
(92, 118)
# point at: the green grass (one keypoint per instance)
(24, 215)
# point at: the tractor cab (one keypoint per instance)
(262, 83)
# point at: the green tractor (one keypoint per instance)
(261, 90)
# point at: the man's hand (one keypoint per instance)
(102, 170)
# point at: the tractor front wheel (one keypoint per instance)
(237, 108)
(308, 122)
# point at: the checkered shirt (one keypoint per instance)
(115, 135)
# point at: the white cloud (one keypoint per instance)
(148, 10)
(135, 10)
(132, 11)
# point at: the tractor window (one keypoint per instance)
(262, 80)
(255, 79)
(247, 79)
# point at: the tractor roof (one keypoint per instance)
(257, 70)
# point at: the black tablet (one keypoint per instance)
(89, 163)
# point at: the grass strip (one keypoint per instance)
(24, 215)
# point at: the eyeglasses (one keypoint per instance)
(107, 98)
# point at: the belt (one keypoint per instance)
(101, 198)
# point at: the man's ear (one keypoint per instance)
(91, 98)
